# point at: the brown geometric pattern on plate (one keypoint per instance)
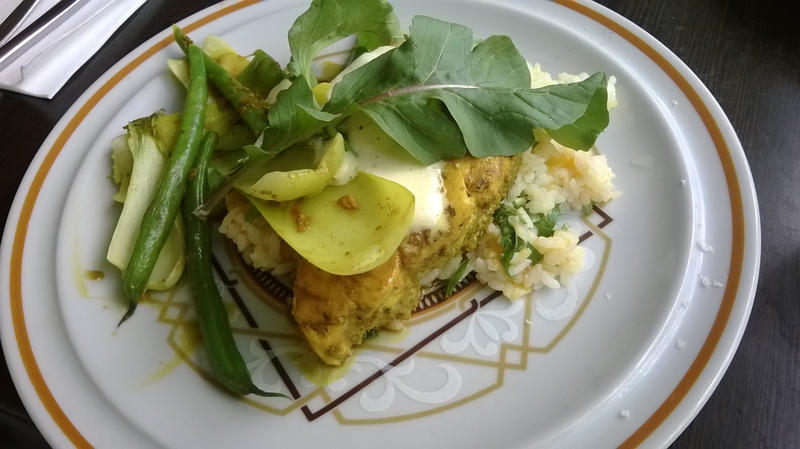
(270, 286)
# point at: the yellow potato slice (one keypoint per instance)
(347, 229)
(283, 181)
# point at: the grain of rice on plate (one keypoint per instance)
(551, 178)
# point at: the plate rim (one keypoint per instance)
(716, 123)
(732, 158)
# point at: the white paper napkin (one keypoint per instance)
(44, 68)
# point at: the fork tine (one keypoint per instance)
(34, 32)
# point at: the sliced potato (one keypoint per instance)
(222, 120)
(286, 179)
(216, 47)
(347, 229)
(233, 63)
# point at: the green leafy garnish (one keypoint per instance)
(228, 162)
(546, 223)
(328, 21)
(508, 237)
(297, 173)
(261, 74)
(535, 255)
(372, 333)
(437, 95)
(511, 242)
(455, 278)
(294, 118)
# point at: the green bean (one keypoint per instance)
(227, 363)
(246, 102)
(160, 215)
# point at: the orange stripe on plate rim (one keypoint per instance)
(737, 221)
(658, 417)
(18, 248)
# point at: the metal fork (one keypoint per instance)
(15, 19)
(37, 30)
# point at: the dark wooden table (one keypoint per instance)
(747, 53)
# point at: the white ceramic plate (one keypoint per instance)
(626, 355)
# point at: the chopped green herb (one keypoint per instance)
(508, 237)
(456, 278)
(535, 255)
(512, 243)
(372, 333)
(546, 223)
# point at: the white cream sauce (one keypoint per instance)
(425, 182)
(374, 152)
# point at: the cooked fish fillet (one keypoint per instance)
(334, 312)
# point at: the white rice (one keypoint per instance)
(553, 174)
(256, 241)
(444, 272)
(550, 175)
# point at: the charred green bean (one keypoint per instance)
(246, 102)
(212, 318)
(160, 215)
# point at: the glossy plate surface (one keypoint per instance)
(624, 355)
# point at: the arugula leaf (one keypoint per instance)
(437, 95)
(546, 223)
(328, 21)
(591, 96)
(485, 89)
(500, 122)
(227, 163)
(355, 53)
(261, 74)
(294, 117)
(421, 128)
